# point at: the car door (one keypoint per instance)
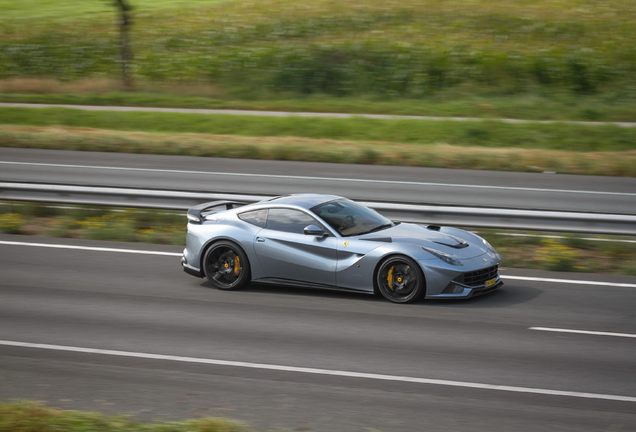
(285, 252)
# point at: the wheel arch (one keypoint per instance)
(215, 240)
(376, 289)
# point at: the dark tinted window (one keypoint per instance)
(255, 217)
(288, 220)
(350, 218)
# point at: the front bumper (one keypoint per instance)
(468, 292)
(477, 276)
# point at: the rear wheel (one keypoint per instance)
(400, 279)
(226, 266)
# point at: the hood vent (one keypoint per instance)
(434, 227)
(461, 244)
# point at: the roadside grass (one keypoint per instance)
(618, 163)
(457, 102)
(487, 133)
(27, 416)
(564, 251)
(94, 223)
(519, 249)
(379, 48)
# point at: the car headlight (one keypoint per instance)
(491, 249)
(444, 257)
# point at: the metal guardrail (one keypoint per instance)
(427, 214)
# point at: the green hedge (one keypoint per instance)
(337, 69)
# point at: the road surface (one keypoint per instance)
(530, 191)
(165, 345)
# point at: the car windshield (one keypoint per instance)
(350, 218)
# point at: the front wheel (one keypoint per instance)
(400, 279)
(226, 266)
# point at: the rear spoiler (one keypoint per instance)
(195, 214)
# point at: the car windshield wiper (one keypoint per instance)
(378, 228)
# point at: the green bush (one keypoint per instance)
(11, 223)
(629, 269)
(619, 251)
(558, 257)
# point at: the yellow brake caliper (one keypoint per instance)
(389, 278)
(237, 265)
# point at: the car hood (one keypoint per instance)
(457, 243)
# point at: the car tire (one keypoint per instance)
(226, 266)
(400, 279)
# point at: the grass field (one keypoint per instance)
(386, 48)
(563, 137)
(444, 104)
(59, 11)
(541, 59)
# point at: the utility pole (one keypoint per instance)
(124, 43)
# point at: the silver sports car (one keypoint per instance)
(326, 241)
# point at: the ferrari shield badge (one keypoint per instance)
(345, 243)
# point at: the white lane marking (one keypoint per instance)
(147, 252)
(291, 177)
(587, 332)
(569, 281)
(89, 248)
(315, 371)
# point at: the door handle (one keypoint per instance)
(260, 239)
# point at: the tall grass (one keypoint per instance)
(321, 150)
(387, 48)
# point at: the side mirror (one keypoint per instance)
(314, 231)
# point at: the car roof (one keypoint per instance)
(305, 200)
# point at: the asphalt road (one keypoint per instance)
(536, 191)
(144, 304)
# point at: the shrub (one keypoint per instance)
(556, 256)
(11, 223)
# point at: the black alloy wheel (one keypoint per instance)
(400, 279)
(226, 266)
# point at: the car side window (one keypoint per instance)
(289, 220)
(255, 217)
